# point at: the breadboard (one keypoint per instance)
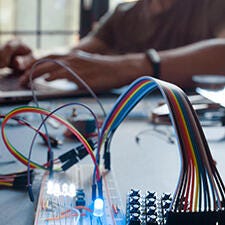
(57, 209)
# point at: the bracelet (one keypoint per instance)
(154, 59)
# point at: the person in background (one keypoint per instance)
(169, 39)
(15, 55)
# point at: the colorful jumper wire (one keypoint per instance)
(200, 187)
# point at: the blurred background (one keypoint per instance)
(50, 23)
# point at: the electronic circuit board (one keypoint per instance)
(63, 207)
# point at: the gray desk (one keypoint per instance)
(153, 164)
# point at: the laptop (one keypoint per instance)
(12, 92)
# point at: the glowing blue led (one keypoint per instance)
(98, 207)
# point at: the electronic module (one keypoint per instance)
(75, 193)
(66, 199)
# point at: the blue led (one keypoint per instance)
(98, 207)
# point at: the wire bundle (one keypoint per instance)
(14, 180)
(200, 187)
(28, 109)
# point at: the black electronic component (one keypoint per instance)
(53, 141)
(106, 155)
(84, 123)
(134, 192)
(135, 208)
(150, 202)
(150, 209)
(150, 194)
(166, 196)
(107, 160)
(68, 155)
(134, 219)
(69, 163)
(135, 200)
(20, 180)
(80, 198)
(196, 218)
(74, 155)
(151, 220)
(147, 209)
(166, 204)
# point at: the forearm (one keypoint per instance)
(179, 65)
(103, 72)
(133, 66)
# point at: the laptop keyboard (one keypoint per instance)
(10, 83)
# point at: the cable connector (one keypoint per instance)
(107, 160)
(53, 141)
(69, 164)
(20, 180)
(74, 155)
(106, 155)
(68, 155)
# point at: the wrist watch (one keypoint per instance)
(154, 59)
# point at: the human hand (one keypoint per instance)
(100, 72)
(16, 55)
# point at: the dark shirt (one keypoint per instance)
(132, 28)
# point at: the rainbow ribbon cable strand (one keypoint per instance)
(29, 109)
(200, 187)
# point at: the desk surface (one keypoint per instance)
(153, 164)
